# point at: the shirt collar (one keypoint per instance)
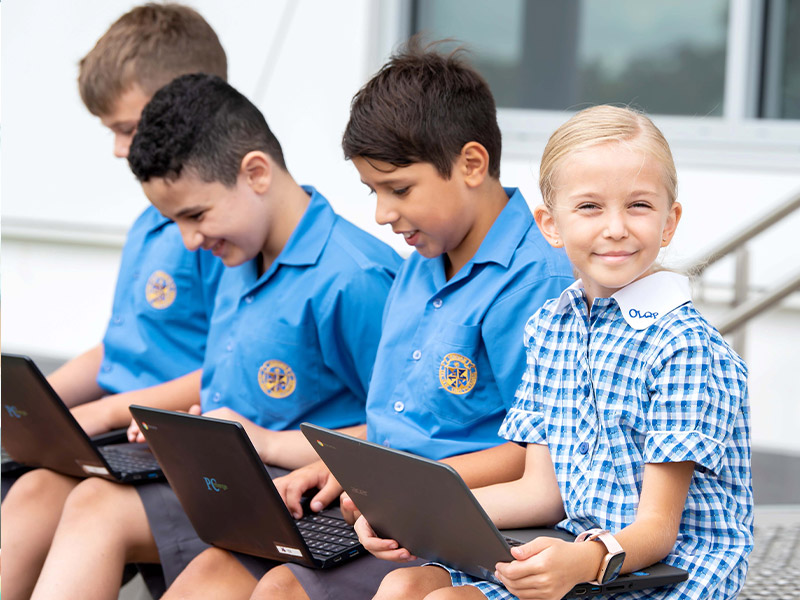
(644, 301)
(507, 231)
(311, 234)
(155, 220)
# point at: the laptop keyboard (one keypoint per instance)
(774, 563)
(127, 459)
(326, 536)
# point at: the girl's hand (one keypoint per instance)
(548, 568)
(380, 547)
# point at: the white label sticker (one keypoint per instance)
(94, 470)
(289, 551)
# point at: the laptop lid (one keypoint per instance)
(224, 488)
(33, 413)
(393, 488)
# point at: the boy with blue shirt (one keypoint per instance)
(153, 347)
(294, 331)
(450, 355)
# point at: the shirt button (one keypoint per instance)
(229, 347)
(437, 303)
(399, 406)
(416, 355)
(135, 275)
(217, 397)
(118, 320)
(107, 368)
(248, 299)
(583, 448)
(587, 390)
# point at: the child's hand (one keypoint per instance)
(380, 547)
(134, 433)
(293, 486)
(548, 568)
(349, 509)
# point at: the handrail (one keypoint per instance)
(752, 308)
(745, 235)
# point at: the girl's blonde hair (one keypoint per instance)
(599, 125)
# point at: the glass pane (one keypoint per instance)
(666, 57)
(782, 61)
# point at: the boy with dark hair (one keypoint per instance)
(423, 135)
(154, 344)
(293, 335)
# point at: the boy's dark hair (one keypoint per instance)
(148, 46)
(199, 122)
(423, 106)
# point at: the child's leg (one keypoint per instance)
(279, 584)
(414, 583)
(103, 526)
(31, 511)
(214, 573)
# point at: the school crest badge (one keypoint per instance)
(160, 290)
(276, 378)
(457, 373)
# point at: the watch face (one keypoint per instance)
(613, 567)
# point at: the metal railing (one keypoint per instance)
(745, 308)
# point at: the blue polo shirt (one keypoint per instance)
(162, 307)
(298, 343)
(451, 355)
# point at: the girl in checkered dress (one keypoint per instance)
(633, 409)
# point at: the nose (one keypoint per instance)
(192, 238)
(385, 212)
(616, 225)
(122, 144)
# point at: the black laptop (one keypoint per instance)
(228, 494)
(393, 489)
(40, 431)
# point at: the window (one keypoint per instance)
(668, 58)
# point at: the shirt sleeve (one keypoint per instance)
(524, 422)
(692, 410)
(506, 320)
(350, 326)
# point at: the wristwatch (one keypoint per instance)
(612, 561)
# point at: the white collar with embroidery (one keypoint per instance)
(644, 301)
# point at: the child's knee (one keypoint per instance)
(412, 582)
(95, 498)
(40, 483)
(279, 583)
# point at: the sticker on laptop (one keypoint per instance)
(289, 551)
(93, 469)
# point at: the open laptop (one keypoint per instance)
(393, 489)
(228, 495)
(40, 431)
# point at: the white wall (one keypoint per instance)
(60, 181)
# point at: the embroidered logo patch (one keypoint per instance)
(160, 290)
(457, 373)
(276, 379)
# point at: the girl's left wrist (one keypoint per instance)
(591, 557)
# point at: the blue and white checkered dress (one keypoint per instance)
(641, 379)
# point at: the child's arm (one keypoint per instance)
(549, 568)
(76, 380)
(505, 462)
(286, 449)
(112, 411)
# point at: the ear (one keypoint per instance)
(547, 225)
(257, 169)
(673, 218)
(473, 163)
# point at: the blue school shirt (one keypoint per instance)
(451, 353)
(643, 378)
(298, 343)
(162, 307)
